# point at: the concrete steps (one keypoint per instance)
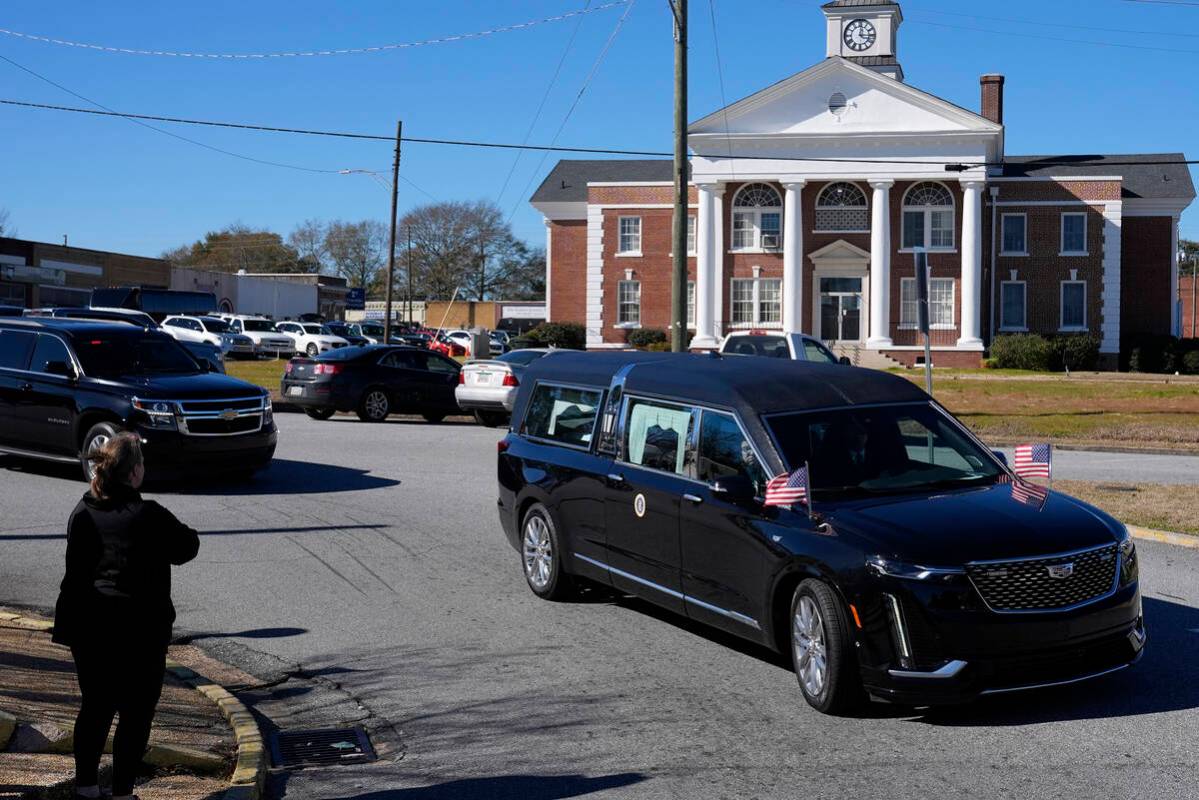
(859, 356)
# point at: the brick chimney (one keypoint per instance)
(992, 86)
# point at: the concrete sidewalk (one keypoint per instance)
(38, 688)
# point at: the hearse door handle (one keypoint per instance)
(615, 478)
(693, 498)
(26, 387)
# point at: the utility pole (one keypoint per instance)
(391, 250)
(411, 319)
(678, 284)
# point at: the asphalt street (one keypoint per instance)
(364, 578)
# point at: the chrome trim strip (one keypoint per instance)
(949, 670)
(16, 451)
(1066, 682)
(1045, 557)
(750, 621)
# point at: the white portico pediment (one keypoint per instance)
(874, 104)
(840, 254)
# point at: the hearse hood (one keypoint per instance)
(983, 524)
(200, 386)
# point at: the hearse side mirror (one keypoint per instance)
(999, 454)
(212, 365)
(844, 361)
(64, 368)
(734, 489)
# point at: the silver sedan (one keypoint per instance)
(487, 387)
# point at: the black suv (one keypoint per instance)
(67, 386)
(922, 571)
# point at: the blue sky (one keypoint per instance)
(110, 184)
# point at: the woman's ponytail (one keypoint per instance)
(114, 464)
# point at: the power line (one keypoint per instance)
(1043, 23)
(724, 104)
(138, 121)
(313, 53)
(561, 149)
(1056, 38)
(541, 106)
(1165, 2)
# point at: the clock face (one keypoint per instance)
(860, 35)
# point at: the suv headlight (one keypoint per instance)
(1129, 569)
(268, 413)
(158, 414)
(913, 572)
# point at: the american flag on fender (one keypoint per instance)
(1029, 494)
(1034, 460)
(787, 489)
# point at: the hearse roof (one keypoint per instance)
(752, 385)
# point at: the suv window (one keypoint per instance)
(112, 355)
(15, 347)
(815, 351)
(562, 414)
(724, 451)
(765, 345)
(656, 435)
(49, 349)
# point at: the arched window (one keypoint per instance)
(842, 207)
(757, 218)
(928, 217)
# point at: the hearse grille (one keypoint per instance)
(1054, 583)
(221, 417)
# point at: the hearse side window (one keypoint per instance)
(562, 414)
(882, 449)
(724, 451)
(49, 350)
(15, 347)
(657, 435)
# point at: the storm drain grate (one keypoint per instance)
(321, 747)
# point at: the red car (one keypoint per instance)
(440, 344)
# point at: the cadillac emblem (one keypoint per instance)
(1061, 570)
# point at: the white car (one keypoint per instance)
(209, 330)
(776, 344)
(261, 331)
(462, 338)
(309, 339)
(487, 388)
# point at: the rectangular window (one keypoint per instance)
(630, 235)
(656, 435)
(691, 235)
(724, 452)
(941, 235)
(1015, 235)
(913, 229)
(1074, 305)
(691, 304)
(772, 225)
(15, 347)
(1074, 234)
(1012, 299)
(940, 303)
(743, 301)
(770, 300)
(562, 414)
(744, 233)
(628, 295)
(929, 229)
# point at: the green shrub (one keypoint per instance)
(1074, 351)
(1190, 363)
(1022, 351)
(566, 335)
(659, 347)
(645, 338)
(1153, 353)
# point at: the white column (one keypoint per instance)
(972, 264)
(718, 273)
(705, 270)
(880, 265)
(549, 265)
(793, 257)
(1175, 321)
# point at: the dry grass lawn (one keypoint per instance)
(1150, 505)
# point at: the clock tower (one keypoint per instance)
(865, 31)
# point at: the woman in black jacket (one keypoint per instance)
(115, 612)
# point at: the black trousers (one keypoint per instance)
(115, 678)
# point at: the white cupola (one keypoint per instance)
(865, 32)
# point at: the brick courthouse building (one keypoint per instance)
(1047, 244)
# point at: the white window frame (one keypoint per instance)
(1061, 311)
(621, 250)
(757, 321)
(755, 222)
(1062, 240)
(928, 212)
(621, 303)
(692, 235)
(821, 207)
(1003, 251)
(691, 305)
(913, 324)
(1023, 326)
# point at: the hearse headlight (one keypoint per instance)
(1128, 559)
(880, 565)
(157, 414)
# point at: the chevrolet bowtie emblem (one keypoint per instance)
(228, 415)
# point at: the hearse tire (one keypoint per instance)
(96, 437)
(541, 556)
(822, 650)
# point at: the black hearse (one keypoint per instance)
(69, 385)
(923, 572)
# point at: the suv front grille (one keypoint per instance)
(221, 417)
(1053, 583)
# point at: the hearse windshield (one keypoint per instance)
(882, 449)
(110, 355)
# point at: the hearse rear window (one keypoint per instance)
(562, 414)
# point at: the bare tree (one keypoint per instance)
(5, 228)
(308, 240)
(358, 252)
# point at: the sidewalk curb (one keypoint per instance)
(1004, 441)
(1165, 537)
(249, 771)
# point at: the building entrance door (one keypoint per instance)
(841, 309)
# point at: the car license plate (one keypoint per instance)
(482, 377)
(295, 391)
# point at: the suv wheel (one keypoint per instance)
(541, 555)
(375, 405)
(97, 436)
(319, 413)
(822, 649)
(490, 419)
(433, 417)
(313, 351)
